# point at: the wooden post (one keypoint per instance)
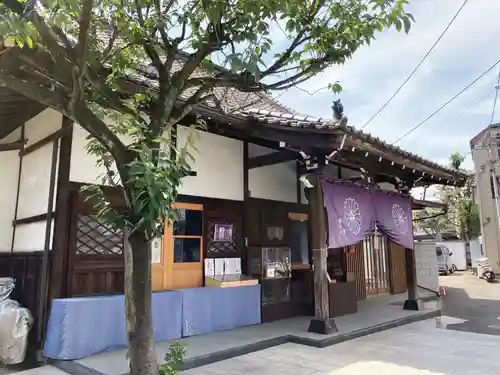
(321, 323)
(411, 281)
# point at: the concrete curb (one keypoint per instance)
(75, 368)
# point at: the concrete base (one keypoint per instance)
(322, 326)
(411, 304)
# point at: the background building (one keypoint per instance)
(486, 157)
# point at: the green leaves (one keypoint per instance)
(174, 358)
(120, 70)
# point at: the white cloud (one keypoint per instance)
(376, 71)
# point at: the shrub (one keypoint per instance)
(173, 360)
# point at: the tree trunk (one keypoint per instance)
(138, 297)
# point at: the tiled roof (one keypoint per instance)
(263, 107)
(309, 122)
(231, 99)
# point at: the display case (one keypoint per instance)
(272, 266)
(269, 262)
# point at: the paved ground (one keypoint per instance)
(44, 370)
(469, 345)
(416, 349)
(474, 301)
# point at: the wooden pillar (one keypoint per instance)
(246, 197)
(411, 281)
(58, 276)
(321, 323)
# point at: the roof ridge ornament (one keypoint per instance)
(338, 112)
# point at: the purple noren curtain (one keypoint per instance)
(393, 216)
(350, 213)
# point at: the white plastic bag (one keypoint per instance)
(15, 324)
(6, 287)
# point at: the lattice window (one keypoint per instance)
(94, 237)
(220, 247)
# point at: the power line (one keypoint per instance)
(417, 67)
(446, 104)
(473, 104)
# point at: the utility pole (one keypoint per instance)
(492, 161)
(493, 175)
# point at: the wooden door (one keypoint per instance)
(182, 262)
(376, 264)
(95, 253)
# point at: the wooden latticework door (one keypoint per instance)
(95, 258)
(355, 265)
(376, 264)
(398, 268)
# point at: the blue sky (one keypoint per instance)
(470, 46)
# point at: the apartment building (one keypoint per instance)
(485, 150)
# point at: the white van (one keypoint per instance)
(443, 260)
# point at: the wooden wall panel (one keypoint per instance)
(355, 264)
(94, 275)
(397, 268)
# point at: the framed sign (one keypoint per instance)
(156, 250)
(223, 232)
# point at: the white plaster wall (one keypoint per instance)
(218, 162)
(35, 181)
(31, 237)
(84, 166)
(276, 182)
(426, 265)
(9, 162)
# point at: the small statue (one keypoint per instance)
(338, 112)
(338, 109)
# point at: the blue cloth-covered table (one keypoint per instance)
(206, 310)
(81, 327)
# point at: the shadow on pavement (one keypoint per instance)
(480, 315)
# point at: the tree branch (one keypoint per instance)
(109, 48)
(299, 39)
(46, 33)
(80, 68)
(148, 47)
(189, 105)
(100, 131)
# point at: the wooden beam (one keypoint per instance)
(271, 159)
(42, 142)
(31, 219)
(301, 139)
(383, 170)
(298, 184)
(17, 145)
(321, 323)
